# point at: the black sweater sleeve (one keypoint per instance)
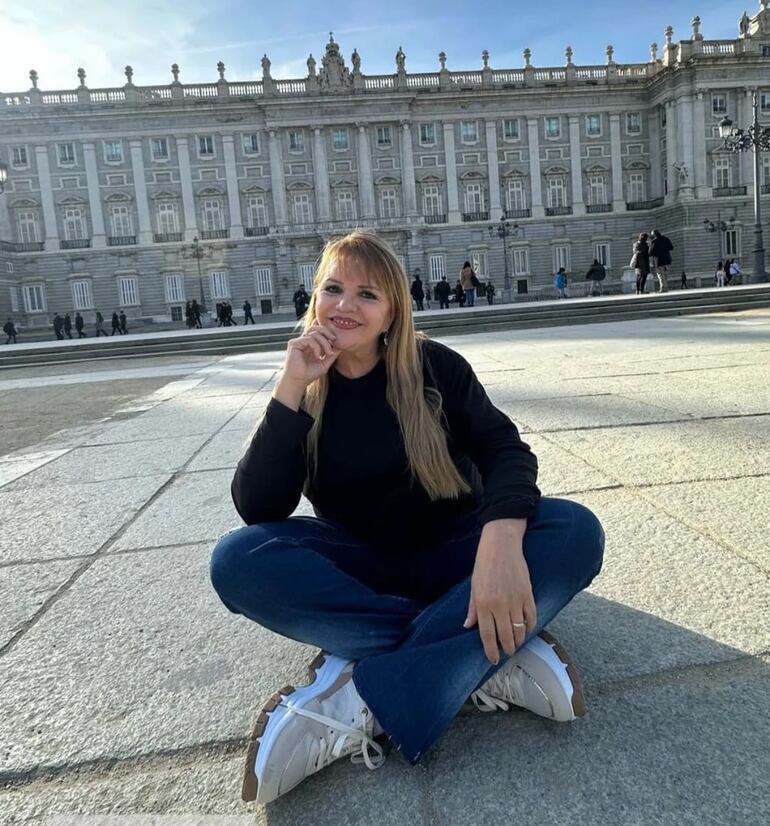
(507, 466)
(269, 478)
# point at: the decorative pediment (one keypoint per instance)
(299, 186)
(597, 169)
(514, 173)
(342, 183)
(255, 189)
(387, 180)
(24, 203)
(210, 191)
(638, 165)
(118, 197)
(555, 170)
(72, 200)
(165, 195)
(472, 176)
(430, 178)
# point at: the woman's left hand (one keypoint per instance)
(501, 592)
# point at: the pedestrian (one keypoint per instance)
(99, 325)
(470, 282)
(123, 322)
(115, 324)
(421, 588)
(79, 325)
(301, 301)
(735, 271)
(560, 282)
(490, 292)
(418, 294)
(9, 328)
(640, 261)
(428, 297)
(67, 325)
(58, 326)
(247, 314)
(196, 310)
(230, 319)
(719, 274)
(684, 280)
(660, 252)
(442, 291)
(596, 274)
(459, 293)
(188, 315)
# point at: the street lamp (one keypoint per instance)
(756, 138)
(3, 177)
(198, 252)
(502, 231)
(721, 227)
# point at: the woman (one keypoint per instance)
(421, 586)
(469, 283)
(640, 261)
(719, 274)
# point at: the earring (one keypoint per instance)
(385, 338)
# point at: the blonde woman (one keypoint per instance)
(432, 564)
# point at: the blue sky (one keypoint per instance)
(55, 38)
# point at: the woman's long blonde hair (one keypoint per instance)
(417, 408)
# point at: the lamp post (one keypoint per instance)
(756, 138)
(3, 177)
(502, 231)
(198, 252)
(721, 227)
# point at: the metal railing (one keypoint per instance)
(436, 219)
(214, 234)
(517, 213)
(475, 216)
(633, 206)
(167, 237)
(728, 191)
(594, 208)
(75, 244)
(562, 210)
(121, 240)
(252, 232)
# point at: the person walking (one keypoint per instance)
(442, 291)
(469, 282)
(660, 251)
(9, 328)
(719, 274)
(99, 325)
(734, 271)
(490, 292)
(684, 280)
(428, 297)
(116, 324)
(79, 325)
(596, 274)
(196, 309)
(67, 325)
(640, 261)
(422, 589)
(247, 314)
(301, 301)
(459, 293)
(418, 294)
(189, 320)
(123, 322)
(229, 311)
(560, 282)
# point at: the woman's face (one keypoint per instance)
(355, 307)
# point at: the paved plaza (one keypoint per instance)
(127, 688)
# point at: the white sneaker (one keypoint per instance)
(301, 730)
(540, 677)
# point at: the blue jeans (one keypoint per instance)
(398, 612)
(470, 297)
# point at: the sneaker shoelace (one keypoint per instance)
(337, 743)
(501, 691)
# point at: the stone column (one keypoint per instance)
(233, 193)
(684, 131)
(321, 175)
(98, 239)
(618, 201)
(140, 188)
(50, 226)
(365, 182)
(451, 174)
(188, 199)
(578, 204)
(656, 163)
(407, 170)
(702, 186)
(672, 145)
(534, 167)
(276, 177)
(495, 207)
(746, 159)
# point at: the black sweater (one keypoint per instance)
(363, 479)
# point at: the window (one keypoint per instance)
(128, 295)
(553, 127)
(303, 209)
(213, 219)
(719, 104)
(28, 227)
(597, 190)
(205, 146)
(436, 267)
(219, 285)
(479, 263)
(384, 138)
(469, 131)
(34, 298)
(765, 171)
(113, 151)
(722, 174)
(516, 197)
(82, 298)
(602, 253)
(663, 116)
(66, 153)
(593, 125)
(431, 200)
(167, 222)
(121, 221)
(732, 242)
(340, 139)
(389, 203)
(264, 281)
(636, 187)
(474, 198)
(257, 211)
(633, 123)
(19, 159)
(346, 205)
(520, 261)
(159, 149)
(557, 192)
(764, 102)
(74, 224)
(306, 272)
(250, 144)
(15, 307)
(511, 129)
(561, 257)
(174, 289)
(427, 134)
(296, 141)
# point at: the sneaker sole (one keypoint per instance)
(578, 697)
(250, 786)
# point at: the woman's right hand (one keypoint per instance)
(311, 355)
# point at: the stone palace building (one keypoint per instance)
(108, 188)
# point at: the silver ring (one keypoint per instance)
(519, 624)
